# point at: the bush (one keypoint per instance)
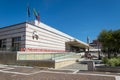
(112, 62)
(105, 60)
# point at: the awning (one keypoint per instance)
(78, 43)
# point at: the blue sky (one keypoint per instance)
(78, 18)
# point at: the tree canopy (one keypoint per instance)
(110, 40)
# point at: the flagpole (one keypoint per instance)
(28, 13)
(37, 15)
(38, 18)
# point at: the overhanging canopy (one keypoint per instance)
(78, 44)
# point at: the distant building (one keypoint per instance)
(96, 45)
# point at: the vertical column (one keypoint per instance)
(9, 44)
(67, 47)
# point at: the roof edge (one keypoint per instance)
(13, 25)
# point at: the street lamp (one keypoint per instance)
(98, 44)
(88, 40)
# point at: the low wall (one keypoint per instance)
(47, 63)
(40, 63)
(8, 57)
(64, 62)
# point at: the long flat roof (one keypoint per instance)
(13, 25)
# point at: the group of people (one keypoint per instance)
(88, 55)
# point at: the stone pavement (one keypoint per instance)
(36, 73)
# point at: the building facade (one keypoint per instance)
(33, 36)
(96, 46)
(37, 44)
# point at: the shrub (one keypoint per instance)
(111, 62)
(105, 60)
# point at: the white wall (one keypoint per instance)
(47, 39)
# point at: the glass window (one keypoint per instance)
(3, 44)
(16, 43)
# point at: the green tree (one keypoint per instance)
(116, 35)
(110, 41)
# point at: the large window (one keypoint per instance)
(3, 44)
(16, 43)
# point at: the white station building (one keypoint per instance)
(36, 41)
(33, 36)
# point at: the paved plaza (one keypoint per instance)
(36, 73)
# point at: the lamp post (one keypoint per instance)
(88, 43)
(99, 57)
